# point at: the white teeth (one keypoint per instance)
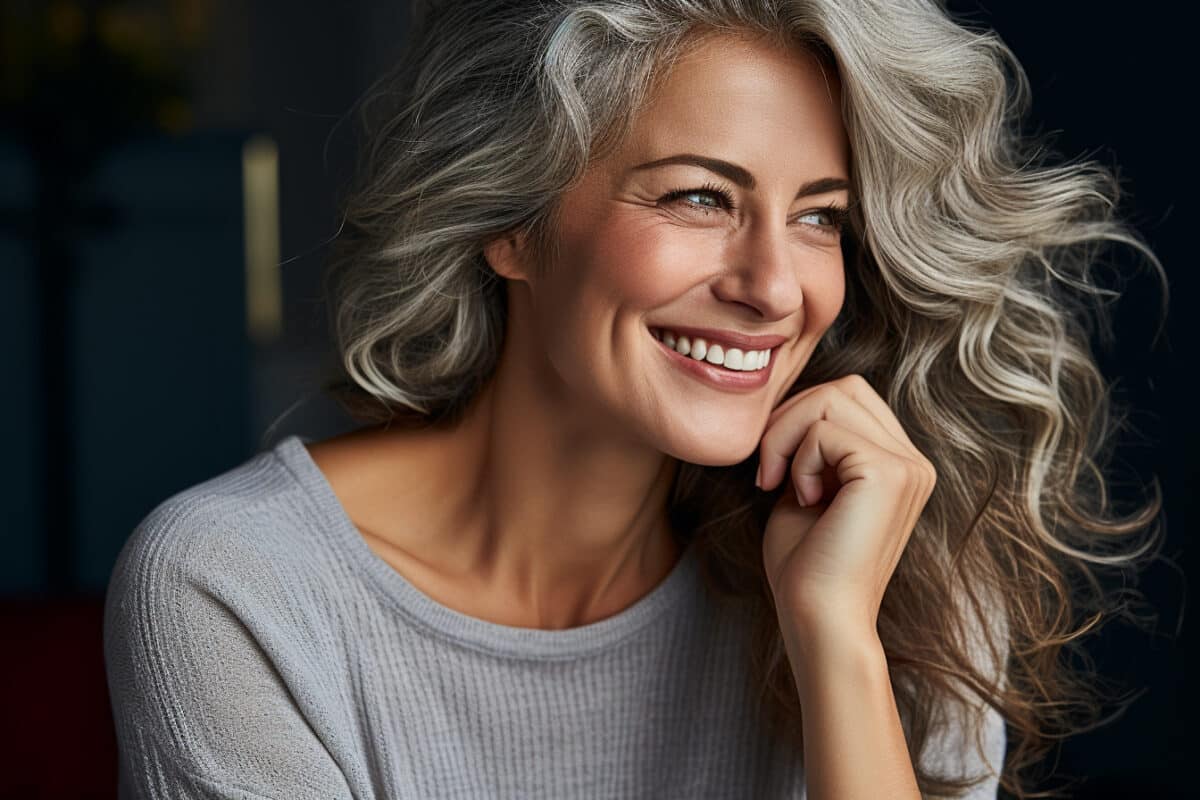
(701, 350)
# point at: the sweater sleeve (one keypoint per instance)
(200, 709)
(972, 741)
(957, 753)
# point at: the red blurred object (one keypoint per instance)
(59, 740)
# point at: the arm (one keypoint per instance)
(854, 746)
(830, 549)
(853, 741)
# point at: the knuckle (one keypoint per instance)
(922, 473)
(825, 399)
(828, 402)
(930, 470)
(854, 381)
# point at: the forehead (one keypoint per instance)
(746, 95)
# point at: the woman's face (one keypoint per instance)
(763, 260)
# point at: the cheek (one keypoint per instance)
(639, 260)
(824, 286)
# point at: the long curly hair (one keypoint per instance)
(969, 306)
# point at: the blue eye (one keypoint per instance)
(707, 189)
(839, 219)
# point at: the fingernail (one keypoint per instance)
(800, 497)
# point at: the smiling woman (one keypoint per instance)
(730, 430)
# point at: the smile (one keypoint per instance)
(715, 353)
(707, 363)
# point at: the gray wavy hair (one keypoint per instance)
(969, 304)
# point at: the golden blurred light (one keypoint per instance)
(260, 201)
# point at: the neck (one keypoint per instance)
(559, 515)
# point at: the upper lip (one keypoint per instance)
(740, 340)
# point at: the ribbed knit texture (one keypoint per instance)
(257, 647)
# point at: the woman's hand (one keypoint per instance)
(863, 486)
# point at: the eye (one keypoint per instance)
(708, 190)
(838, 216)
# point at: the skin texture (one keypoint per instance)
(546, 507)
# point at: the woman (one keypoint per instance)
(726, 411)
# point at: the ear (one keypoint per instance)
(507, 255)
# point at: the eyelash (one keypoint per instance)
(839, 214)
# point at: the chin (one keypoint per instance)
(723, 451)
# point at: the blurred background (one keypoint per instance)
(169, 171)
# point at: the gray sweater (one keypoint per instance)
(257, 647)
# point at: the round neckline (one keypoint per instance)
(680, 582)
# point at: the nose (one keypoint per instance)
(763, 271)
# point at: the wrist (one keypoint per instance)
(837, 652)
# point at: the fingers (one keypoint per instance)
(828, 444)
(789, 423)
(858, 389)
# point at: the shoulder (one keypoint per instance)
(249, 510)
(222, 566)
(214, 621)
(256, 538)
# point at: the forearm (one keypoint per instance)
(854, 747)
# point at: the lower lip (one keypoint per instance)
(719, 377)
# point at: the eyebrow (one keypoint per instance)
(742, 176)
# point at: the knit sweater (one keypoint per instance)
(256, 647)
